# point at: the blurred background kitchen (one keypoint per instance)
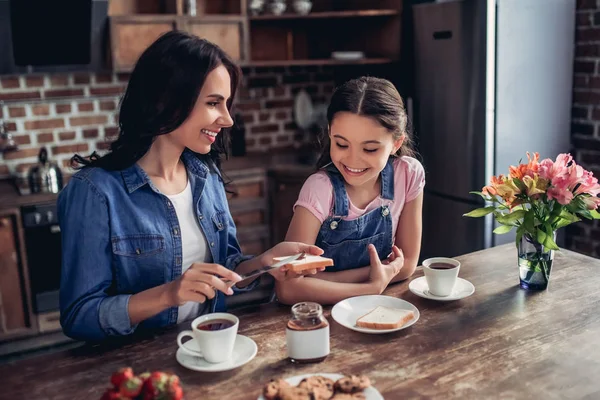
(484, 81)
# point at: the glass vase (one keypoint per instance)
(535, 263)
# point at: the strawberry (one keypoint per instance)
(154, 385)
(120, 376)
(175, 393)
(131, 387)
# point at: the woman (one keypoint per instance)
(148, 240)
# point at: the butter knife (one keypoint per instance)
(268, 268)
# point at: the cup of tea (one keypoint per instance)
(441, 274)
(215, 336)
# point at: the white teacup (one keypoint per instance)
(215, 336)
(441, 274)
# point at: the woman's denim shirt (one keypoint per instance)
(121, 236)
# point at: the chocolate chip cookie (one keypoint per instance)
(321, 387)
(352, 384)
(271, 390)
(295, 393)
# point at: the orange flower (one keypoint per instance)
(491, 189)
(529, 169)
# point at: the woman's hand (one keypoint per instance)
(199, 282)
(284, 249)
(383, 272)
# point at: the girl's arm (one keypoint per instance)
(305, 228)
(408, 236)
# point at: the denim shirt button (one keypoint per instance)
(176, 231)
(178, 260)
(333, 225)
(169, 204)
(212, 244)
(200, 217)
(385, 212)
(138, 251)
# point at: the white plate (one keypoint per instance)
(346, 312)
(303, 110)
(463, 288)
(244, 350)
(347, 55)
(370, 393)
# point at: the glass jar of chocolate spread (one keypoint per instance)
(307, 334)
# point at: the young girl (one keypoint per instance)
(366, 201)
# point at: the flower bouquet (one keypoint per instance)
(538, 198)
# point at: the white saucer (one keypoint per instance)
(346, 312)
(370, 393)
(463, 288)
(244, 350)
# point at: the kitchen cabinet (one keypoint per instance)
(15, 307)
(134, 25)
(285, 183)
(358, 31)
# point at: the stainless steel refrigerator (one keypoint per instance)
(493, 80)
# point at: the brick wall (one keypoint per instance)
(71, 113)
(584, 237)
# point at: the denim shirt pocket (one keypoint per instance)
(140, 261)
(138, 245)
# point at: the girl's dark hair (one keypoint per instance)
(162, 91)
(374, 98)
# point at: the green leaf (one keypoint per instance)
(595, 214)
(541, 236)
(529, 222)
(549, 243)
(549, 240)
(520, 232)
(480, 212)
(512, 218)
(502, 229)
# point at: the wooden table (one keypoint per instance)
(502, 342)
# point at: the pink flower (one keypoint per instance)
(561, 194)
(549, 169)
(591, 202)
(588, 184)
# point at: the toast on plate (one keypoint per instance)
(382, 317)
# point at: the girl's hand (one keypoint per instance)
(284, 249)
(199, 283)
(383, 272)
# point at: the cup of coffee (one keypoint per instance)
(441, 274)
(215, 336)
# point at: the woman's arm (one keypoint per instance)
(89, 307)
(408, 236)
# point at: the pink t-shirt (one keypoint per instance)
(409, 179)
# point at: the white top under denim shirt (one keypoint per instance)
(194, 247)
(121, 236)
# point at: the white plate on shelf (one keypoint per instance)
(244, 350)
(463, 288)
(346, 312)
(370, 393)
(347, 55)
